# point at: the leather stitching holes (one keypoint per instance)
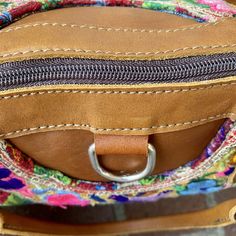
(116, 129)
(114, 53)
(115, 92)
(109, 29)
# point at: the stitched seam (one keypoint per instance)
(109, 29)
(114, 92)
(116, 129)
(114, 53)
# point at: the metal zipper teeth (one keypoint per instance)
(79, 71)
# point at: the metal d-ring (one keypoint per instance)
(151, 162)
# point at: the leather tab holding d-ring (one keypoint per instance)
(121, 144)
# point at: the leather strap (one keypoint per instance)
(121, 144)
(220, 215)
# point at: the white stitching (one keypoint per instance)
(91, 128)
(109, 29)
(114, 92)
(114, 53)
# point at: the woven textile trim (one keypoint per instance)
(22, 181)
(201, 10)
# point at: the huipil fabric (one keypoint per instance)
(201, 10)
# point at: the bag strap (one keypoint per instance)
(221, 215)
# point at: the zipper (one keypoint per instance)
(90, 71)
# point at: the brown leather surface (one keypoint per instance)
(231, 1)
(142, 109)
(221, 215)
(113, 33)
(121, 144)
(68, 150)
(133, 110)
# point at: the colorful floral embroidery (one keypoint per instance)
(23, 182)
(202, 10)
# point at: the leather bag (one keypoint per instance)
(105, 105)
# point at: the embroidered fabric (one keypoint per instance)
(201, 10)
(22, 181)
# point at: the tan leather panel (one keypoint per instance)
(142, 109)
(138, 110)
(231, 1)
(121, 144)
(107, 17)
(67, 151)
(220, 215)
(113, 33)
